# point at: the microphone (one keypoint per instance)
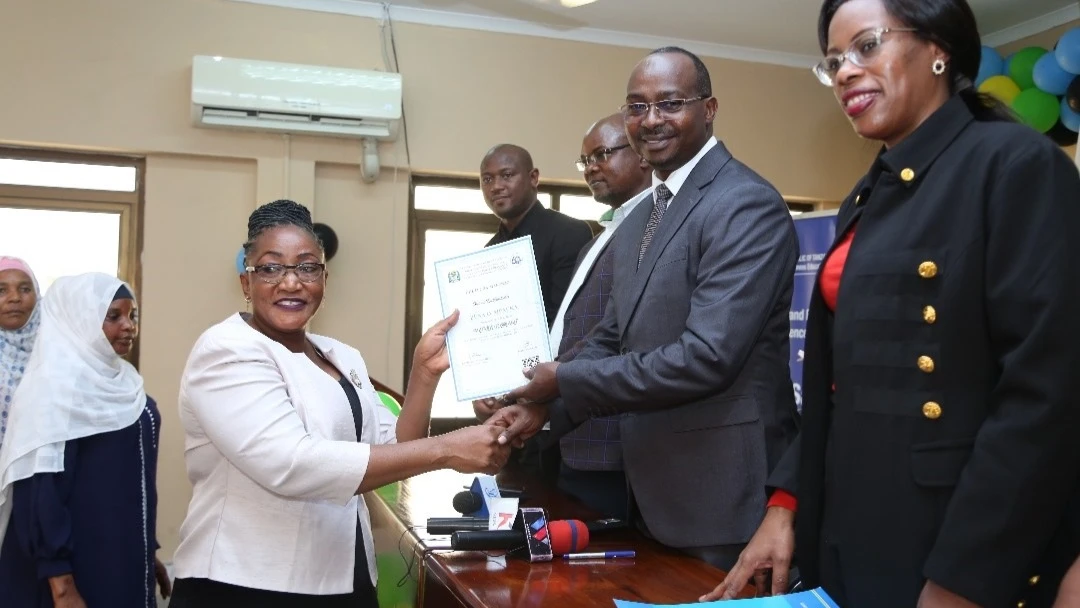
(563, 535)
(477, 500)
(449, 525)
(466, 502)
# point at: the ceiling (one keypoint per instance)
(772, 31)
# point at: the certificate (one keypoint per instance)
(805, 599)
(503, 327)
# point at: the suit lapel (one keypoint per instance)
(678, 210)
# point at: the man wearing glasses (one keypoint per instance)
(693, 347)
(591, 467)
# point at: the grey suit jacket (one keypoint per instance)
(693, 349)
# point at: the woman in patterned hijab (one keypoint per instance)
(20, 318)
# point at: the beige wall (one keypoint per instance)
(114, 75)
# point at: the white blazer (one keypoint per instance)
(271, 451)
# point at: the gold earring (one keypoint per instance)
(247, 306)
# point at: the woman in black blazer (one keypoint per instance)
(939, 455)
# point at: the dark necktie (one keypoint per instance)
(660, 204)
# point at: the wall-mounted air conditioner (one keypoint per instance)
(293, 98)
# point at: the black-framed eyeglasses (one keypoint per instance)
(666, 107)
(307, 272)
(600, 156)
(861, 52)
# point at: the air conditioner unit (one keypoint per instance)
(293, 98)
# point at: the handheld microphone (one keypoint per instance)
(563, 535)
(449, 525)
(476, 501)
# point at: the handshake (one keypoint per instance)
(522, 412)
(508, 422)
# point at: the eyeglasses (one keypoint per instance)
(308, 272)
(600, 156)
(667, 107)
(861, 52)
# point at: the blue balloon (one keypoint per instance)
(1069, 117)
(240, 263)
(1007, 64)
(991, 64)
(1068, 51)
(1049, 76)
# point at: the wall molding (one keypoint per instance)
(374, 10)
(1033, 26)
(504, 25)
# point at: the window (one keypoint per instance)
(582, 207)
(69, 213)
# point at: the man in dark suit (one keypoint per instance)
(509, 181)
(693, 347)
(592, 468)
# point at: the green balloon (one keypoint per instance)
(1023, 65)
(1037, 109)
(390, 403)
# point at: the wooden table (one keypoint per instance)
(441, 578)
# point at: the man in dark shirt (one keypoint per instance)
(509, 181)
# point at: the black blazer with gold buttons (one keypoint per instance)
(950, 449)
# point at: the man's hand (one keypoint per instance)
(771, 547)
(936, 596)
(520, 421)
(543, 386)
(484, 408)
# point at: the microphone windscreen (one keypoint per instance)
(568, 536)
(467, 502)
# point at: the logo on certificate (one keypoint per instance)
(516, 259)
(453, 276)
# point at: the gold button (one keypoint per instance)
(907, 175)
(929, 314)
(928, 270)
(1033, 580)
(931, 410)
(1020, 604)
(858, 197)
(926, 364)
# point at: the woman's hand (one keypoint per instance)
(64, 593)
(476, 449)
(430, 357)
(162, 576)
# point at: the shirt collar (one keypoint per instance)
(911, 158)
(618, 214)
(675, 181)
(524, 223)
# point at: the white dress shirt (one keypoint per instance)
(583, 269)
(678, 177)
(271, 450)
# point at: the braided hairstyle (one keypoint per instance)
(281, 212)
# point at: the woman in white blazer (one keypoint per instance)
(284, 432)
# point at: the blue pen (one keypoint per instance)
(600, 555)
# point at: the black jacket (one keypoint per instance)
(951, 447)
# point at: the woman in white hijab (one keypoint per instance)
(77, 469)
(20, 318)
